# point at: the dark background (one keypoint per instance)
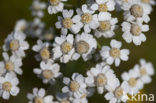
(13, 10)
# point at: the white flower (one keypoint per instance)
(135, 10)
(123, 4)
(11, 64)
(107, 25)
(56, 6)
(43, 49)
(102, 77)
(69, 22)
(114, 54)
(80, 100)
(131, 81)
(133, 32)
(35, 28)
(8, 85)
(88, 18)
(48, 71)
(39, 96)
(103, 5)
(63, 48)
(148, 4)
(21, 25)
(16, 43)
(76, 86)
(118, 95)
(85, 46)
(37, 8)
(146, 70)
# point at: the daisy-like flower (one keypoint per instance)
(37, 8)
(88, 18)
(63, 48)
(43, 50)
(39, 96)
(11, 64)
(135, 10)
(69, 22)
(146, 70)
(107, 25)
(102, 77)
(114, 54)
(56, 6)
(21, 25)
(118, 95)
(16, 43)
(133, 32)
(8, 85)
(35, 28)
(48, 71)
(131, 81)
(85, 46)
(76, 86)
(103, 5)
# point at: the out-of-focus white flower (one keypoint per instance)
(107, 25)
(48, 71)
(88, 18)
(114, 54)
(11, 64)
(69, 22)
(85, 46)
(131, 81)
(80, 100)
(133, 32)
(148, 4)
(35, 28)
(63, 48)
(135, 10)
(102, 77)
(21, 25)
(76, 87)
(39, 96)
(8, 86)
(146, 70)
(48, 35)
(56, 6)
(16, 43)
(43, 50)
(118, 95)
(37, 8)
(103, 5)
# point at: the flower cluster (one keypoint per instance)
(81, 31)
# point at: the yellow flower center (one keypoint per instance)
(119, 92)
(115, 52)
(86, 18)
(65, 101)
(54, 2)
(7, 86)
(132, 82)
(143, 71)
(44, 53)
(9, 66)
(104, 26)
(146, 1)
(103, 8)
(67, 23)
(66, 47)
(39, 100)
(135, 29)
(47, 74)
(137, 11)
(14, 45)
(74, 86)
(101, 80)
(82, 47)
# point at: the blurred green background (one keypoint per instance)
(13, 10)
